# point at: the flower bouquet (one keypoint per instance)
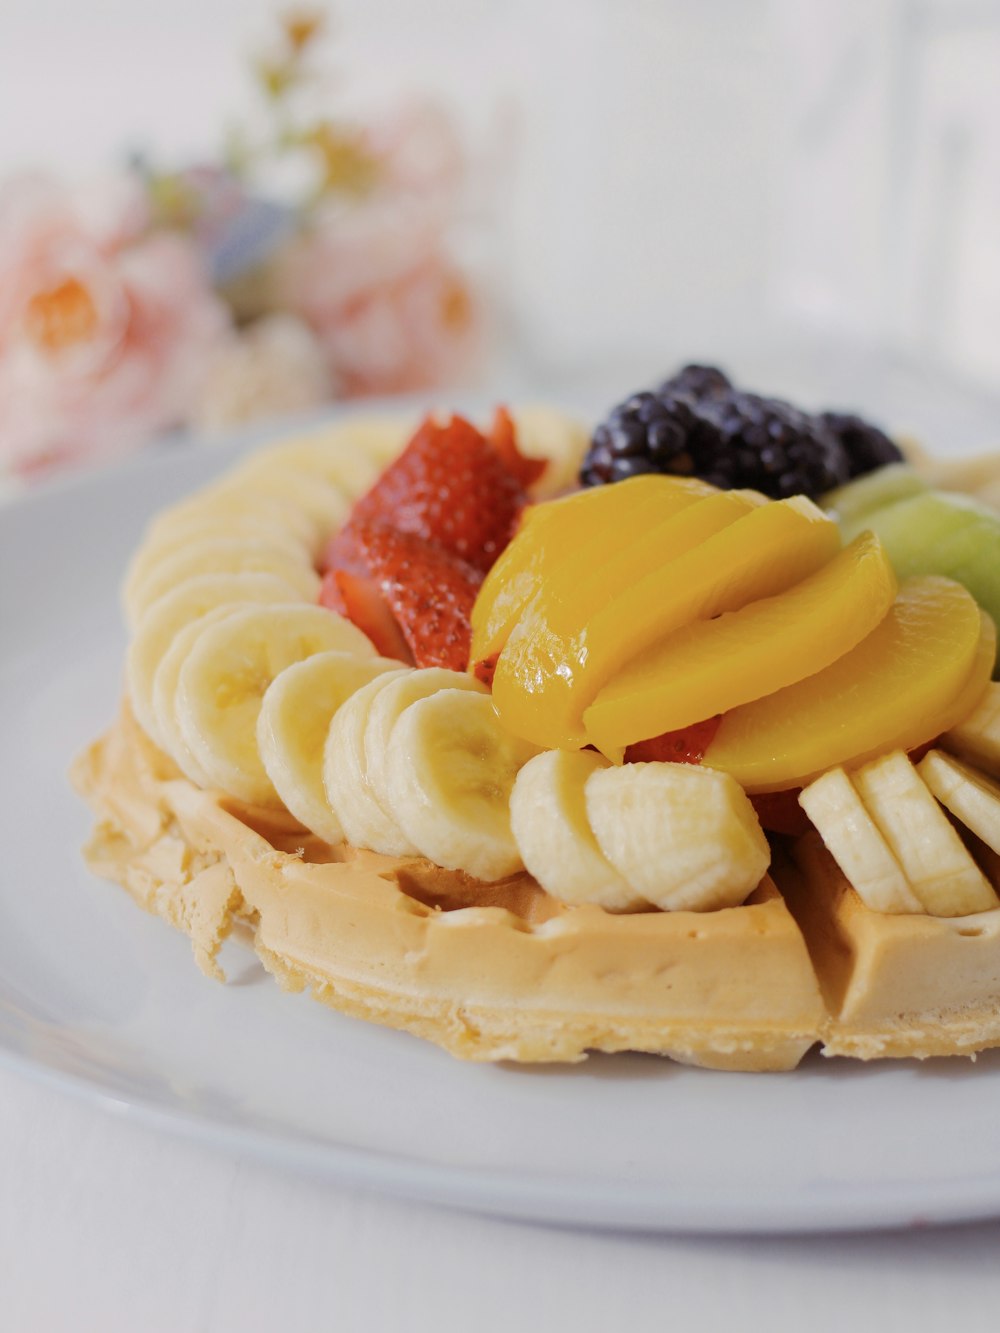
(314, 259)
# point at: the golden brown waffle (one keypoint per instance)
(505, 972)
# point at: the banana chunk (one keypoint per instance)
(855, 843)
(977, 739)
(685, 838)
(943, 874)
(451, 767)
(292, 728)
(972, 797)
(548, 816)
(164, 619)
(226, 674)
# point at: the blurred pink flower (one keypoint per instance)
(104, 327)
(416, 331)
(273, 367)
(374, 278)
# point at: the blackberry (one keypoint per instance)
(698, 424)
(867, 447)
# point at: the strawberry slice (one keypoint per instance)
(450, 486)
(687, 746)
(503, 437)
(357, 597)
(411, 597)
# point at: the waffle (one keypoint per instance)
(503, 970)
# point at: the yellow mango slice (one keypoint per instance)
(586, 529)
(715, 556)
(917, 674)
(712, 666)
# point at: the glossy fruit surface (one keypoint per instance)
(911, 679)
(712, 666)
(584, 530)
(715, 556)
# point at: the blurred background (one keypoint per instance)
(236, 211)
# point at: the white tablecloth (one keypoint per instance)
(107, 1226)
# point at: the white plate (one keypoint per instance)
(98, 997)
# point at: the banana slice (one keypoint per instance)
(686, 838)
(451, 767)
(220, 555)
(236, 527)
(294, 721)
(168, 615)
(331, 455)
(364, 818)
(165, 681)
(220, 504)
(562, 440)
(972, 797)
(312, 494)
(548, 817)
(387, 707)
(977, 739)
(943, 874)
(853, 840)
(226, 675)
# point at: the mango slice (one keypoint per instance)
(587, 528)
(718, 554)
(712, 666)
(914, 676)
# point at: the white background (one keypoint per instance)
(659, 177)
(675, 172)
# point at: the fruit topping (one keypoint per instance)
(976, 738)
(449, 769)
(652, 834)
(936, 533)
(853, 839)
(224, 678)
(584, 530)
(355, 770)
(866, 447)
(921, 671)
(681, 837)
(716, 665)
(407, 587)
(716, 554)
(850, 504)
(503, 437)
(943, 875)
(407, 565)
(452, 486)
(548, 817)
(687, 745)
(699, 424)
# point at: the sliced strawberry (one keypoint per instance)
(413, 599)
(503, 437)
(358, 598)
(486, 669)
(449, 487)
(687, 746)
